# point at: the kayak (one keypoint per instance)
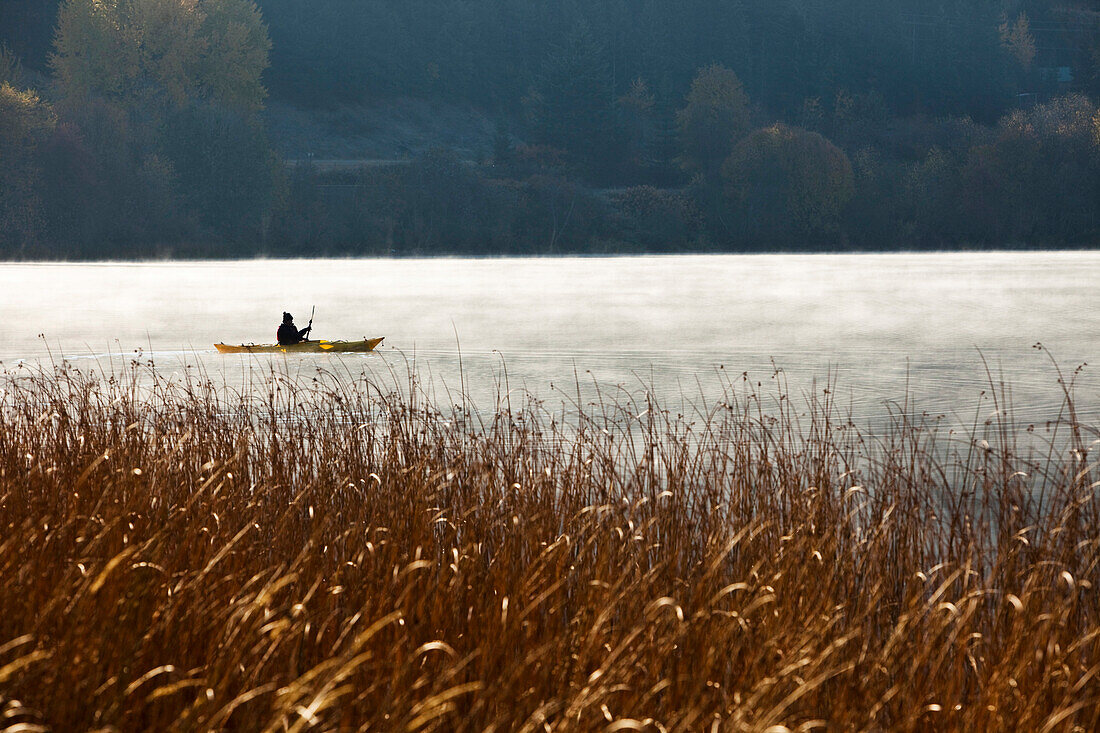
(305, 347)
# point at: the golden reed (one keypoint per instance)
(325, 554)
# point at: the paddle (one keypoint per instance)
(309, 326)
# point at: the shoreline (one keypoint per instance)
(571, 256)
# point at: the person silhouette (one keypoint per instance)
(289, 334)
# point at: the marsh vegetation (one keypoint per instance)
(334, 554)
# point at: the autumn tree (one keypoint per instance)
(785, 182)
(135, 52)
(237, 47)
(715, 117)
(25, 122)
(176, 83)
(1017, 40)
(162, 53)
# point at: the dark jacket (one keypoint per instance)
(289, 334)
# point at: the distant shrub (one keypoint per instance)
(785, 182)
(446, 204)
(227, 170)
(910, 139)
(1038, 179)
(72, 188)
(657, 219)
(932, 191)
(535, 159)
(870, 220)
(110, 189)
(557, 215)
(857, 116)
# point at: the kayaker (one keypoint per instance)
(289, 334)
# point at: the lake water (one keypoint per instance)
(880, 326)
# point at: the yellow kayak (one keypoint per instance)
(305, 347)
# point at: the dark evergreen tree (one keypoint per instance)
(569, 104)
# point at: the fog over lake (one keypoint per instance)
(879, 326)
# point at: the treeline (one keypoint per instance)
(439, 204)
(1031, 179)
(134, 127)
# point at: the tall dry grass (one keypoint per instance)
(321, 553)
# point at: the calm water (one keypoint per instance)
(881, 325)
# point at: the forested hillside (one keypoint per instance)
(142, 127)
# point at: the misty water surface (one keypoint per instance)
(880, 326)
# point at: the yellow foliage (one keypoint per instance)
(162, 52)
(1016, 38)
(24, 121)
(88, 49)
(715, 117)
(163, 46)
(237, 53)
